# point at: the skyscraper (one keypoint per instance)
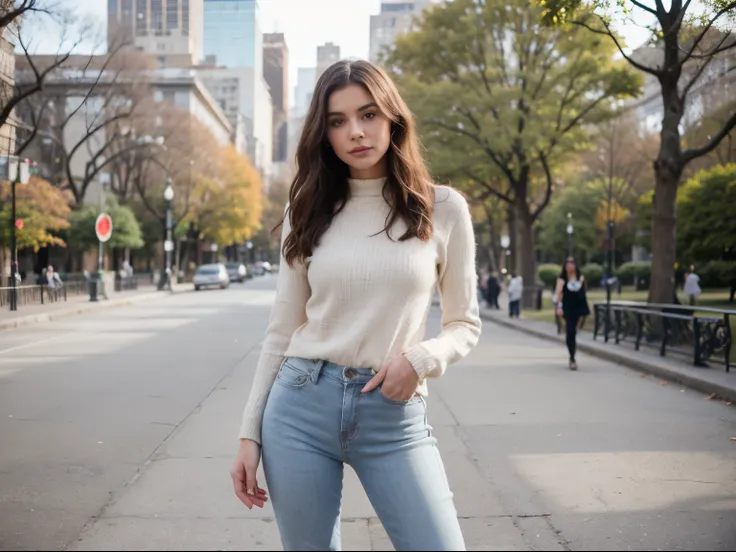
(232, 33)
(276, 73)
(395, 19)
(327, 54)
(168, 29)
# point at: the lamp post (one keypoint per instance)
(21, 176)
(570, 230)
(168, 244)
(505, 243)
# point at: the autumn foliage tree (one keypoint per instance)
(44, 210)
(227, 204)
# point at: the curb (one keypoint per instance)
(640, 365)
(81, 309)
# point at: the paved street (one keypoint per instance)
(118, 429)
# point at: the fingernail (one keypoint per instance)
(249, 492)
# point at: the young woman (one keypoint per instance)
(572, 304)
(343, 370)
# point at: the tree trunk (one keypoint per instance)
(526, 264)
(664, 230)
(510, 260)
(668, 169)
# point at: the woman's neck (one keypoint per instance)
(379, 170)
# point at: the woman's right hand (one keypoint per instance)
(244, 475)
(559, 312)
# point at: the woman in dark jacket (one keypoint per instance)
(572, 304)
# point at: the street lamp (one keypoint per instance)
(21, 176)
(505, 243)
(168, 244)
(569, 234)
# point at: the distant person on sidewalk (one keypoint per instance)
(342, 377)
(572, 304)
(692, 286)
(516, 292)
(493, 290)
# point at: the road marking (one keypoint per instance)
(34, 343)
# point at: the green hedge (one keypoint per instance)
(548, 274)
(593, 274)
(629, 273)
(717, 274)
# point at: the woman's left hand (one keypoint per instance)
(397, 378)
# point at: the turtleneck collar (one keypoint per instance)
(366, 188)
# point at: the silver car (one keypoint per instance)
(211, 275)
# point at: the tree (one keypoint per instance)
(126, 230)
(79, 110)
(227, 206)
(687, 43)
(268, 238)
(497, 94)
(706, 207)
(581, 200)
(42, 207)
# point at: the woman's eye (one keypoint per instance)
(335, 122)
(369, 115)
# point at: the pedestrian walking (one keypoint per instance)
(572, 304)
(342, 375)
(493, 290)
(516, 292)
(692, 286)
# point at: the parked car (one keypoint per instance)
(211, 275)
(262, 268)
(236, 272)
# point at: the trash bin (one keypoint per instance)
(96, 287)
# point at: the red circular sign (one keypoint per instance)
(103, 227)
(19, 224)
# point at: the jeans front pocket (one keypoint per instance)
(413, 400)
(294, 373)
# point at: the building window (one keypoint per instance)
(172, 14)
(185, 17)
(141, 18)
(158, 96)
(157, 15)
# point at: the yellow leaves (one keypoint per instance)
(228, 202)
(618, 214)
(43, 208)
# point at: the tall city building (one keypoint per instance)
(305, 81)
(327, 54)
(232, 33)
(396, 18)
(171, 30)
(276, 73)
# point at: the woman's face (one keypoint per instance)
(358, 132)
(570, 266)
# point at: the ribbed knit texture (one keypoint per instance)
(363, 299)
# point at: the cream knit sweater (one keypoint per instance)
(362, 299)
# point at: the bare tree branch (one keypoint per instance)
(609, 33)
(26, 6)
(644, 7)
(693, 153)
(725, 9)
(548, 189)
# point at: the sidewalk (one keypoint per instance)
(33, 314)
(673, 368)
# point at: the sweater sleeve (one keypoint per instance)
(288, 314)
(459, 299)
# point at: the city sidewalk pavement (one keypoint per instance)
(33, 314)
(675, 368)
(182, 499)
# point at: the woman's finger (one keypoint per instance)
(375, 380)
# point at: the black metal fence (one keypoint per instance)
(701, 333)
(41, 294)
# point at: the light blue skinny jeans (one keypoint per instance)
(316, 420)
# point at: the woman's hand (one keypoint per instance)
(560, 313)
(244, 475)
(397, 378)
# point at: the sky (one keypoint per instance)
(307, 25)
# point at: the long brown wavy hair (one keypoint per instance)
(320, 188)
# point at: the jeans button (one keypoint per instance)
(350, 374)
